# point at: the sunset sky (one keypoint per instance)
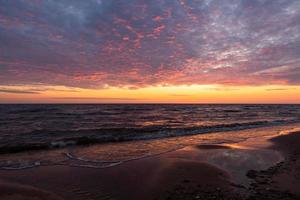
(150, 51)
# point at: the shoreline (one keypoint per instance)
(187, 173)
(84, 141)
(116, 153)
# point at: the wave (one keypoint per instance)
(34, 110)
(73, 160)
(105, 135)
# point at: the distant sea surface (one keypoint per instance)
(31, 127)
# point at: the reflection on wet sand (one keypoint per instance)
(236, 159)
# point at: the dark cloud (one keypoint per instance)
(92, 44)
(279, 89)
(11, 91)
(97, 98)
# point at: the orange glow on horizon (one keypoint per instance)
(153, 94)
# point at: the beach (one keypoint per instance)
(150, 100)
(257, 168)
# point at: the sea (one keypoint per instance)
(105, 135)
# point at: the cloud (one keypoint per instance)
(225, 89)
(11, 91)
(279, 89)
(97, 98)
(133, 43)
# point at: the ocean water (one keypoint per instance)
(24, 127)
(107, 135)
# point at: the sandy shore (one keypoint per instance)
(237, 171)
(281, 181)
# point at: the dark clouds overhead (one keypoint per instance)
(95, 43)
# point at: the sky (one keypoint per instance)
(142, 51)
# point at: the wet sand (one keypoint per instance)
(17, 192)
(237, 171)
(281, 181)
(148, 178)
